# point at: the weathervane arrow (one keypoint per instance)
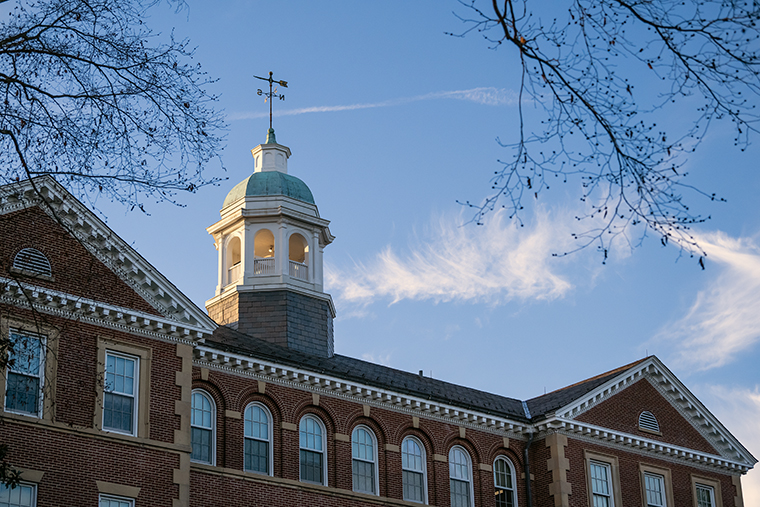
(272, 93)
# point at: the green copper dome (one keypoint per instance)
(270, 183)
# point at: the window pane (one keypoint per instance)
(311, 466)
(22, 393)
(411, 455)
(362, 445)
(201, 414)
(256, 456)
(458, 465)
(502, 476)
(20, 496)
(115, 502)
(413, 486)
(201, 439)
(705, 496)
(364, 476)
(117, 412)
(460, 493)
(654, 485)
(311, 434)
(25, 354)
(256, 423)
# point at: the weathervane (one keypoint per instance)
(271, 94)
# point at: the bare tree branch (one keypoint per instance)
(583, 69)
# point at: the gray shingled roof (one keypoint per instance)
(375, 375)
(546, 404)
(371, 374)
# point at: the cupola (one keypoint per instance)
(270, 240)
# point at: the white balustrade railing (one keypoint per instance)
(299, 271)
(235, 273)
(263, 266)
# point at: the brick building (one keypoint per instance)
(120, 392)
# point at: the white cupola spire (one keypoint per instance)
(270, 240)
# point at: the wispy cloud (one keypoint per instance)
(739, 409)
(487, 96)
(496, 262)
(724, 319)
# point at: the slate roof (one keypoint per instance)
(375, 375)
(371, 374)
(543, 405)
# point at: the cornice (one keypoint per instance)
(106, 246)
(668, 385)
(646, 446)
(269, 371)
(97, 313)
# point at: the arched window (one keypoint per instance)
(504, 482)
(263, 253)
(33, 262)
(364, 460)
(413, 469)
(263, 244)
(203, 416)
(234, 266)
(298, 253)
(258, 439)
(313, 459)
(460, 477)
(298, 249)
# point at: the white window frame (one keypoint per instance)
(661, 479)
(31, 485)
(710, 484)
(423, 457)
(707, 488)
(511, 468)
(374, 461)
(270, 422)
(324, 448)
(130, 501)
(135, 395)
(610, 484)
(468, 464)
(212, 451)
(40, 373)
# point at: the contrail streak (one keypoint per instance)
(486, 96)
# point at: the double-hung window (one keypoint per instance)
(705, 496)
(257, 439)
(363, 460)
(460, 478)
(25, 375)
(120, 393)
(116, 501)
(654, 486)
(313, 464)
(23, 495)
(504, 482)
(413, 469)
(601, 484)
(202, 419)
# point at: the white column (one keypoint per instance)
(246, 245)
(218, 242)
(281, 253)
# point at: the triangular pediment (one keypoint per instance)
(99, 272)
(687, 427)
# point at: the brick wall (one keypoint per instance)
(340, 416)
(621, 413)
(75, 270)
(282, 317)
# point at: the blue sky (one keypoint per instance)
(390, 122)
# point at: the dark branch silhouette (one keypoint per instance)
(92, 96)
(598, 72)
